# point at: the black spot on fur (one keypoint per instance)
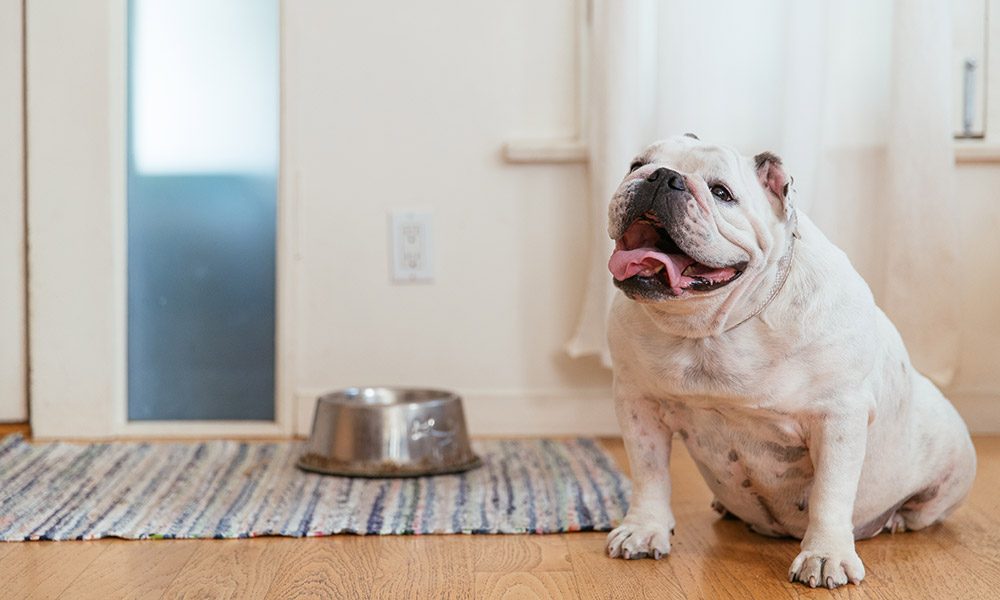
(787, 454)
(733, 456)
(684, 434)
(746, 483)
(796, 473)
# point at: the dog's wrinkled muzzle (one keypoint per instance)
(648, 261)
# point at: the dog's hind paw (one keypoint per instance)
(895, 524)
(722, 510)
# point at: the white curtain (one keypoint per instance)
(854, 95)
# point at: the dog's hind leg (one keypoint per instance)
(933, 504)
(723, 511)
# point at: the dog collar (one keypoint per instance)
(784, 266)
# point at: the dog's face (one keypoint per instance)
(694, 219)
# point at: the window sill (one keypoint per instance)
(977, 152)
(568, 150)
(546, 151)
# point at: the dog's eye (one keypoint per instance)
(721, 193)
(635, 165)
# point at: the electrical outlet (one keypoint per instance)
(411, 246)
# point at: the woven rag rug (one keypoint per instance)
(226, 489)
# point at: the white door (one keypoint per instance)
(13, 398)
(80, 177)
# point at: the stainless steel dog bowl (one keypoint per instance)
(388, 432)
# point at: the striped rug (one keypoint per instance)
(226, 489)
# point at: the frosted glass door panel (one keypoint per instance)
(202, 196)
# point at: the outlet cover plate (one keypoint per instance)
(410, 239)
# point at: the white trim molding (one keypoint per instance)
(76, 175)
(13, 342)
(546, 150)
(987, 150)
(563, 149)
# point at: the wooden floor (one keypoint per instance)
(711, 558)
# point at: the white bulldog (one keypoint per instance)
(746, 332)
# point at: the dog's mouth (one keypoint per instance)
(647, 262)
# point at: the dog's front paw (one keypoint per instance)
(637, 538)
(830, 568)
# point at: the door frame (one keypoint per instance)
(76, 175)
(13, 342)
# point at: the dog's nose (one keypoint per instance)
(673, 179)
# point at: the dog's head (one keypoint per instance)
(693, 219)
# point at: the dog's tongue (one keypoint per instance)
(681, 270)
(646, 262)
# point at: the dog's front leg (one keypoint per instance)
(837, 448)
(647, 527)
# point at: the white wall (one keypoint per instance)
(408, 107)
(976, 389)
(13, 399)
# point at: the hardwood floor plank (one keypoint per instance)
(911, 565)
(41, 570)
(425, 567)
(722, 559)
(986, 490)
(323, 568)
(378, 567)
(9, 428)
(132, 569)
(599, 577)
(229, 570)
(975, 536)
(551, 585)
(6, 547)
(528, 553)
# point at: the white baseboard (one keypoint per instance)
(513, 413)
(591, 412)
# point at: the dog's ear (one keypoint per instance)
(775, 181)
